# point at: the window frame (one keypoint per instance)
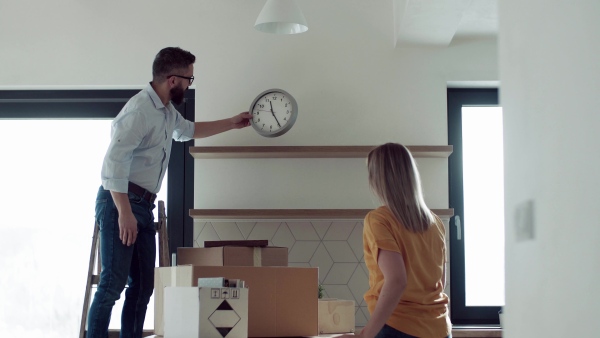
(459, 312)
(41, 104)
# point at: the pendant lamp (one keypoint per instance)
(281, 17)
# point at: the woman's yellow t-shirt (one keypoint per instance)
(423, 307)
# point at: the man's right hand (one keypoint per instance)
(127, 222)
(127, 228)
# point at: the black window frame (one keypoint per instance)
(106, 104)
(459, 312)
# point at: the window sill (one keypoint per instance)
(471, 331)
(476, 332)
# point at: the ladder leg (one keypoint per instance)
(91, 279)
(163, 237)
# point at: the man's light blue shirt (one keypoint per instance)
(140, 144)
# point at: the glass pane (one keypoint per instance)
(483, 175)
(51, 173)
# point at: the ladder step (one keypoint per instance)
(95, 279)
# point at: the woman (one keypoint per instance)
(405, 253)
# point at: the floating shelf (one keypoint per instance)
(269, 214)
(308, 152)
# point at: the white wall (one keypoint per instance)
(352, 86)
(548, 55)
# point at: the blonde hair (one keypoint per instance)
(394, 178)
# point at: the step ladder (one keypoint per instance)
(96, 263)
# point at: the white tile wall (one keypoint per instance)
(340, 251)
(302, 251)
(334, 247)
(339, 231)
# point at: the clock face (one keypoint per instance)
(273, 112)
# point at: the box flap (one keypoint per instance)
(200, 256)
(181, 311)
(163, 277)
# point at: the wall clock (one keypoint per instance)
(274, 112)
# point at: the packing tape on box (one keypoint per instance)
(257, 256)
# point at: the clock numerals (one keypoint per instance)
(278, 113)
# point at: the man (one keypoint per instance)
(132, 173)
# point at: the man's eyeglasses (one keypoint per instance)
(191, 79)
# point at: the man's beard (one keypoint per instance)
(177, 94)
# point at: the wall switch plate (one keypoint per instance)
(525, 221)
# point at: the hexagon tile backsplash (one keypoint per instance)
(335, 247)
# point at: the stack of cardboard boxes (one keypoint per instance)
(282, 301)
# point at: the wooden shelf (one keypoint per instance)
(268, 214)
(308, 152)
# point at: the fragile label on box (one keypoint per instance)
(215, 311)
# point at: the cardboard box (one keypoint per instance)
(163, 277)
(246, 242)
(336, 316)
(233, 256)
(282, 301)
(205, 312)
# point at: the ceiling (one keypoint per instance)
(438, 22)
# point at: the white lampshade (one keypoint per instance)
(281, 17)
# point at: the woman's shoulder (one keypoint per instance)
(379, 213)
(438, 226)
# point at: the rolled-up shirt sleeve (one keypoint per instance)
(184, 129)
(127, 133)
(378, 235)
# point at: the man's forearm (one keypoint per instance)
(206, 129)
(121, 201)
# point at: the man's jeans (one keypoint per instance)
(122, 264)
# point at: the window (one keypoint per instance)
(477, 196)
(53, 143)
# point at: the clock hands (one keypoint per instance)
(274, 114)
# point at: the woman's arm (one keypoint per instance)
(392, 266)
